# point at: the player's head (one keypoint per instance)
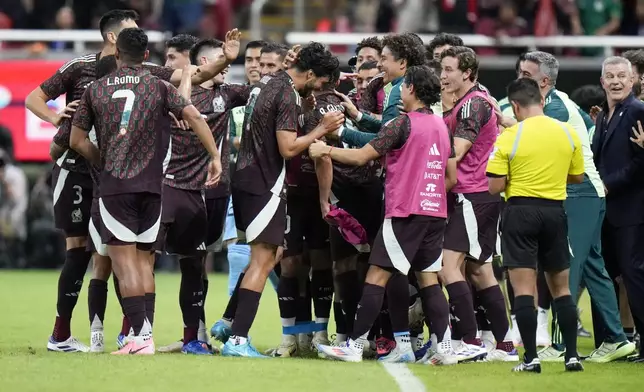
(271, 58)
(106, 65)
(208, 51)
(435, 65)
(617, 78)
(459, 68)
(177, 50)
(115, 21)
(334, 80)
(540, 66)
(313, 68)
(131, 47)
(366, 73)
(421, 86)
(399, 52)
(367, 50)
(588, 96)
(525, 97)
(636, 57)
(442, 42)
(251, 60)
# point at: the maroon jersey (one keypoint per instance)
(188, 166)
(277, 107)
(129, 110)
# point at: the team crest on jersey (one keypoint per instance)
(77, 216)
(218, 104)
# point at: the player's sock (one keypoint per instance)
(567, 319)
(340, 321)
(125, 324)
(370, 305)
(460, 300)
(231, 307)
(350, 294)
(246, 312)
(202, 333)
(190, 297)
(630, 333)
(150, 301)
(135, 311)
(375, 329)
(97, 303)
(479, 311)
(287, 299)
(493, 304)
(436, 310)
(526, 316)
(70, 283)
(398, 294)
(322, 293)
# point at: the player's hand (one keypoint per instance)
(67, 112)
(325, 207)
(594, 111)
(639, 135)
(291, 56)
(181, 124)
(318, 149)
(349, 107)
(401, 107)
(232, 44)
(214, 173)
(332, 121)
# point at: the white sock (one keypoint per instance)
(202, 335)
(96, 325)
(403, 341)
(238, 340)
(341, 337)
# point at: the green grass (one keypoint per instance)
(27, 309)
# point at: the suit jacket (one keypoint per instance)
(620, 162)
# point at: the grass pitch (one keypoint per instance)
(27, 309)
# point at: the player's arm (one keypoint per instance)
(451, 177)
(52, 88)
(470, 118)
(56, 151)
(576, 170)
(81, 124)
(498, 165)
(324, 173)
(185, 86)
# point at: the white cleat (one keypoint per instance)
(71, 345)
(174, 347)
(441, 354)
(400, 354)
(468, 352)
(349, 351)
(287, 348)
(320, 337)
(97, 345)
(497, 355)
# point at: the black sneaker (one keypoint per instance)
(573, 365)
(534, 366)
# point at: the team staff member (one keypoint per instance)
(532, 162)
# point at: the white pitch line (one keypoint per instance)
(405, 378)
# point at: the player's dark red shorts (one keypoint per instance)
(94, 242)
(261, 217)
(72, 201)
(131, 218)
(183, 222)
(413, 243)
(217, 210)
(304, 222)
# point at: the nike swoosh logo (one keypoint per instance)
(136, 351)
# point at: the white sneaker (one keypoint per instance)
(320, 337)
(439, 354)
(402, 353)
(349, 351)
(551, 354)
(174, 347)
(468, 352)
(71, 345)
(416, 315)
(497, 355)
(96, 343)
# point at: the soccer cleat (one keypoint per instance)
(175, 347)
(221, 331)
(534, 366)
(441, 354)
(489, 343)
(400, 354)
(137, 345)
(609, 352)
(498, 355)
(349, 351)
(551, 354)
(240, 347)
(304, 341)
(416, 315)
(468, 352)
(420, 354)
(582, 332)
(71, 345)
(287, 348)
(319, 338)
(122, 340)
(417, 342)
(573, 365)
(196, 347)
(96, 342)
(384, 346)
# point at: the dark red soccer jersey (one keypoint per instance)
(259, 164)
(129, 109)
(188, 166)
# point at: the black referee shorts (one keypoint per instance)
(534, 234)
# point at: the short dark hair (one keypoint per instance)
(182, 42)
(113, 18)
(524, 91)
(368, 65)
(333, 80)
(317, 58)
(427, 86)
(370, 42)
(208, 43)
(106, 65)
(272, 47)
(636, 57)
(466, 58)
(404, 46)
(442, 39)
(255, 44)
(132, 44)
(435, 65)
(588, 96)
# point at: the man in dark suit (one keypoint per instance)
(620, 163)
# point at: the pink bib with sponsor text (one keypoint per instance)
(415, 181)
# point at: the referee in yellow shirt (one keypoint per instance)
(532, 162)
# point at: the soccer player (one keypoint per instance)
(415, 212)
(177, 53)
(368, 50)
(474, 213)
(252, 56)
(133, 152)
(366, 73)
(258, 182)
(441, 42)
(532, 162)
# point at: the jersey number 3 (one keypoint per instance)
(127, 109)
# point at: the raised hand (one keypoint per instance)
(232, 44)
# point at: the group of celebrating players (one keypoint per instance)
(144, 166)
